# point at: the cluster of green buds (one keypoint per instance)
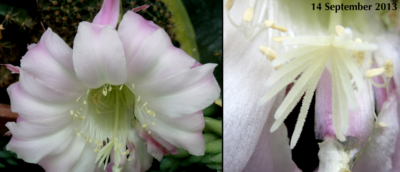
(212, 157)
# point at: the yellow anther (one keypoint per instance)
(99, 144)
(382, 124)
(84, 102)
(218, 102)
(81, 118)
(87, 92)
(96, 150)
(145, 103)
(358, 57)
(129, 159)
(339, 30)
(149, 132)
(115, 139)
(78, 134)
(388, 66)
(78, 112)
(269, 23)
(271, 55)
(133, 86)
(105, 92)
(74, 118)
(374, 72)
(120, 145)
(358, 40)
(76, 130)
(153, 123)
(229, 4)
(97, 110)
(81, 109)
(145, 125)
(278, 67)
(248, 14)
(279, 39)
(90, 140)
(120, 88)
(72, 112)
(75, 115)
(109, 88)
(138, 99)
(78, 99)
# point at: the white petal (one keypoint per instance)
(99, 56)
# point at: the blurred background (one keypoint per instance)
(194, 26)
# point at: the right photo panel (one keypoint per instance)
(311, 86)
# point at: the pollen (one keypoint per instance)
(279, 39)
(271, 24)
(84, 102)
(248, 14)
(145, 125)
(153, 123)
(388, 66)
(120, 88)
(229, 4)
(133, 86)
(374, 72)
(339, 30)
(78, 99)
(271, 54)
(81, 118)
(149, 132)
(382, 124)
(71, 112)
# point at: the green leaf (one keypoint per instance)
(207, 158)
(11, 162)
(214, 125)
(174, 166)
(186, 162)
(2, 165)
(184, 31)
(215, 166)
(182, 153)
(217, 158)
(208, 137)
(214, 146)
(195, 159)
(166, 163)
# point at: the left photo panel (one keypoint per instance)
(111, 85)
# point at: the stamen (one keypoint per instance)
(78, 112)
(271, 24)
(138, 99)
(339, 30)
(87, 92)
(248, 14)
(78, 99)
(149, 132)
(90, 140)
(388, 66)
(145, 125)
(153, 123)
(72, 112)
(382, 124)
(229, 4)
(109, 88)
(374, 72)
(133, 86)
(279, 39)
(116, 139)
(120, 88)
(271, 55)
(81, 118)
(84, 102)
(129, 159)
(98, 112)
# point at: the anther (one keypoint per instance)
(382, 124)
(271, 24)
(229, 4)
(339, 30)
(145, 125)
(78, 134)
(87, 92)
(133, 86)
(388, 66)
(149, 132)
(98, 112)
(78, 112)
(120, 88)
(279, 39)
(81, 118)
(153, 123)
(374, 72)
(271, 55)
(76, 130)
(138, 99)
(248, 14)
(105, 92)
(72, 112)
(84, 102)
(90, 140)
(116, 139)
(75, 115)
(129, 159)
(78, 99)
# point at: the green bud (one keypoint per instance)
(186, 162)
(195, 159)
(174, 166)
(214, 146)
(207, 158)
(208, 137)
(214, 125)
(166, 164)
(217, 158)
(215, 166)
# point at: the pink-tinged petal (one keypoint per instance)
(32, 142)
(151, 55)
(87, 158)
(196, 64)
(50, 61)
(41, 91)
(112, 161)
(109, 13)
(20, 119)
(30, 108)
(360, 121)
(142, 159)
(380, 93)
(13, 69)
(99, 56)
(140, 8)
(377, 155)
(272, 152)
(66, 160)
(183, 132)
(184, 93)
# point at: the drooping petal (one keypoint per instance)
(109, 13)
(50, 61)
(32, 142)
(183, 132)
(377, 155)
(98, 55)
(33, 109)
(183, 93)
(151, 55)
